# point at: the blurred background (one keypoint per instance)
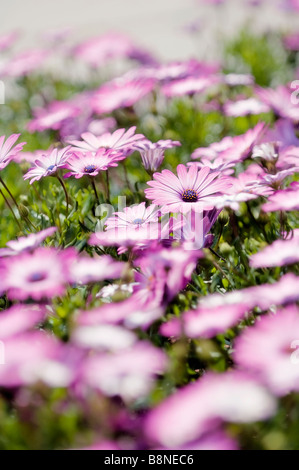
(173, 29)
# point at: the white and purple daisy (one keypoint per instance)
(39, 275)
(48, 164)
(91, 164)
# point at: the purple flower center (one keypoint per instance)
(51, 168)
(37, 277)
(138, 221)
(90, 169)
(189, 195)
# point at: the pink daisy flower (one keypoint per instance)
(129, 373)
(236, 79)
(53, 116)
(38, 275)
(228, 397)
(7, 40)
(284, 200)
(279, 100)
(152, 154)
(279, 253)
(99, 50)
(7, 149)
(192, 189)
(90, 164)
(189, 86)
(85, 270)
(19, 319)
(264, 296)
(205, 323)
(48, 164)
(120, 93)
(120, 140)
(24, 355)
(130, 312)
(244, 107)
(24, 63)
(266, 350)
(29, 243)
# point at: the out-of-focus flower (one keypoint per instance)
(24, 63)
(85, 270)
(266, 350)
(19, 319)
(264, 296)
(232, 397)
(205, 322)
(48, 164)
(279, 100)
(284, 200)
(129, 373)
(90, 164)
(24, 354)
(103, 337)
(7, 149)
(192, 189)
(38, 275)
(99, 50)
(189, 85)
(120, 93)
(245, 107)
(233, 149)
(29, 243)
(7, 40)
(132, 313)
(279, 253)
(235, 79)
(53, 116)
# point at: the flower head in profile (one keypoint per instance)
(91, 164)
(47, 165)
(38, 275)
(192, 189)
(7, 149)
(120, 140)
(152, 153)
(29, 243)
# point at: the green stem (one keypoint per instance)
(65, 192)
(9, 192)
(107, 185)
(11, 209)
(95, 191)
